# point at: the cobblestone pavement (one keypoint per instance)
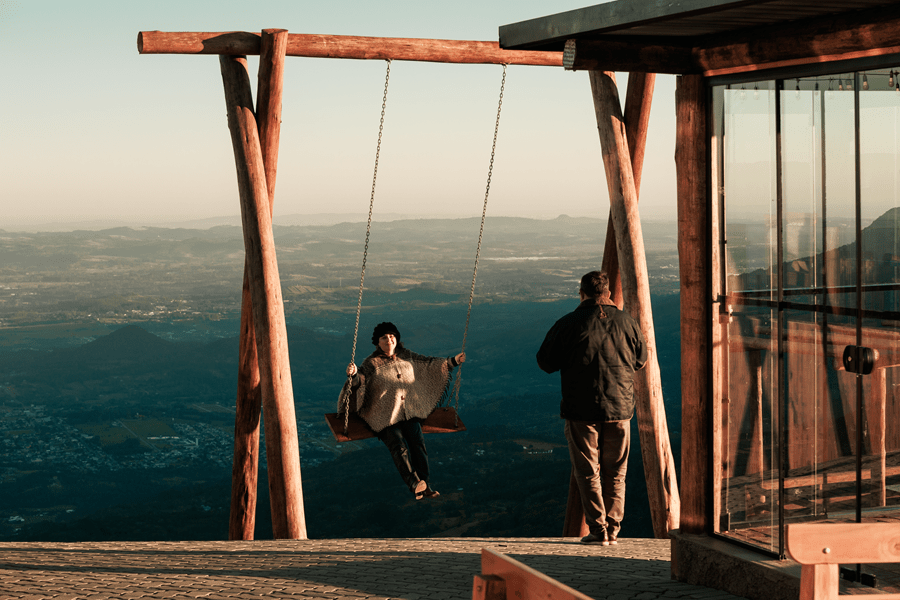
(438, 568)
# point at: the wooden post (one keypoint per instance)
(245, 467)
(659, 465)
(719, 338)
(638, 99)
(270, 85)
(282, 452)
(574, 524)
(694, 267)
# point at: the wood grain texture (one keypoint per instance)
(488, 587)
(845, 36)
(638, 100)
(245, 466)
(282, 450)
(345, 46)
(694, 265)
(523, 582)
(843, 543)
(822, 547)
(656, 451)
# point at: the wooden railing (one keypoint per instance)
(503, 577)
(821, 547)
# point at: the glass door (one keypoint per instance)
(810, 412)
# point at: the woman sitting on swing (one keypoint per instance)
(393, 391)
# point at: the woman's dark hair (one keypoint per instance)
(595, 284)
(383, 328)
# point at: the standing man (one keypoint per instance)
(597, 348)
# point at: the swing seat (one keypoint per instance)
(442, 419)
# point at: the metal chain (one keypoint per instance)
(345, 400)
(487, 192)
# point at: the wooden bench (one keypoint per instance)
(503, 577)
(821, 547)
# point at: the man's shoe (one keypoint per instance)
(430, 493)
(596, 538)
(613, 540)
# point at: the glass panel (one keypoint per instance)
(819, 191)
(750, 475)
(839, 223)
(835, 293)
(879, 132)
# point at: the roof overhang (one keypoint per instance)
(712, 37)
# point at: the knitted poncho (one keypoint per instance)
(389, 390)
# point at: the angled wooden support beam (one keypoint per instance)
(345, 46)
(638, 100)
(282, 452)
(656, 452)
(245, 466)
(691, 152)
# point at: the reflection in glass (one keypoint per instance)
(811, 254)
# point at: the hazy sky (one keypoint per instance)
(92, 131)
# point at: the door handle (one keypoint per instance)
(859, 359)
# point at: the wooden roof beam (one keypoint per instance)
(788, 48)
(345, 46)
(870, 33)
(629, 56)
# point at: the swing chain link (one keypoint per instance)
(487, 191)
(345, 399)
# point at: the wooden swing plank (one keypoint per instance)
(345, 46)
(441, 420)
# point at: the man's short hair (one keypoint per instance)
(595, 284)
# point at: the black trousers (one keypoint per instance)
(406, 443)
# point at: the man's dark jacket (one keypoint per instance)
(597, 348)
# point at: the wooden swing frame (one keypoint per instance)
(264, 371)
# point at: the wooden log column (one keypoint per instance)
(276, 390)
(245, 466)
(694, 256)
(638, 100)
(659, 464)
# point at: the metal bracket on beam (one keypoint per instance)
(569, 55)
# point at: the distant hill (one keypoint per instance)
(130, 343)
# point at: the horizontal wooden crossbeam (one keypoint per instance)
(345, 46)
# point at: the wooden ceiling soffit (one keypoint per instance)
(866, 34)
(630, 56)
(345, 46)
